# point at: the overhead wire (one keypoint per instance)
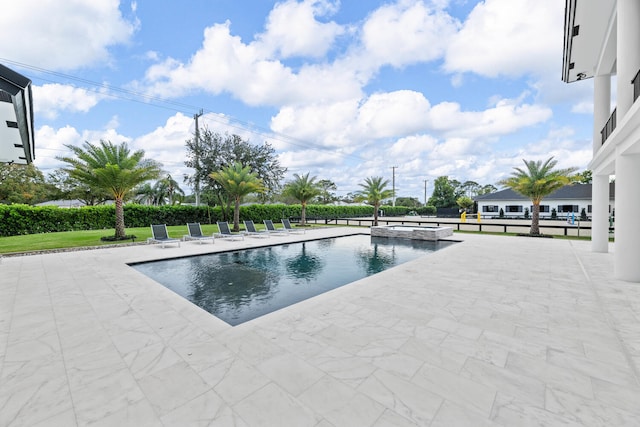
(111, 91)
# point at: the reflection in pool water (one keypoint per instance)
(242, 285)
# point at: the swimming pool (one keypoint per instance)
(242, 285)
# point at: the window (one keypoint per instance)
(11, 124)
(567, 208)
(513, 208)
(589, 208)
(490, 208)
(543, 208)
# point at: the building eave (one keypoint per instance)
(16, 120)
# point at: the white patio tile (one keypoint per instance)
(271, 406)
(239, 380)
(587, 411)
(508, 411)
(450, 414)
(456, 388)
(290, 372)
(422, 343)
(206, 410)
(172, 387)
(403, 397)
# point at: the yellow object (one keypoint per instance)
(463, 217)
(479, 217)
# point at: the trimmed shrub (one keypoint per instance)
(25, 219)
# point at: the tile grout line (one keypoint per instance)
(610, 322)
(62, 355)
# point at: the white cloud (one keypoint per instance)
(507, 116)
(406, 32)
(292, 29)
(166, 143)
(509, 38)
(50, 143)
(403, 113)
(51, 99)
(413, 146)
(226, 64)
(62, 35)
(393, 113)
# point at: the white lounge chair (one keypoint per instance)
(251, 230)
(195, 233)
(225, 231)
(160, 235)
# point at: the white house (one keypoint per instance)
(16, 118)
(567, 201)
(602, 40)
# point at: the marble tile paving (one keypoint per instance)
(494, 331)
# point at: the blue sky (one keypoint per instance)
(342, 89)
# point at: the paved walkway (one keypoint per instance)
(495, 331)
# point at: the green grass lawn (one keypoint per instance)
(74, 239)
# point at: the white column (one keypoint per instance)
(627, 242)
(601, 108)
(628, 54)
(600, 213)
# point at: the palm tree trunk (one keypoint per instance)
(375, 215)
(303, 214)
(236, 216)
(120, 231)
(535, 219)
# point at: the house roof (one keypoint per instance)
(16, 118)
(568, 192)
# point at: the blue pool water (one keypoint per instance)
(242, 285)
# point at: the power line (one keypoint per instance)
(155, 101)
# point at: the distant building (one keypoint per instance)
(567, 201)
(16, 118)
(602, 40)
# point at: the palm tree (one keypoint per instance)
(374, 192)
(166, 190)
(145, 194)
(112, 168)
(238, 181)
(303, 189)
(536, 181)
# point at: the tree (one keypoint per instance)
(22, 184)
(470, 188)
(444, 193)
(537, 180)
(145, 194)
(69, 188)
(214, 151)
(167, 190)
(410, 202)
(238, 181)
(487, 189)
(374, 191)
(326, 196)
(585, 177)
(113, 169)
(303, 189)
(464, 202)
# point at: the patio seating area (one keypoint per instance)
(494, 331)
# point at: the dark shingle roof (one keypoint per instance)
(575, 191)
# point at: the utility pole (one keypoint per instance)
(197, 156)
(425, 191)
(393, 198)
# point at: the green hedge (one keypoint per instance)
(24, 219)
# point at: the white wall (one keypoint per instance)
(552, 203)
